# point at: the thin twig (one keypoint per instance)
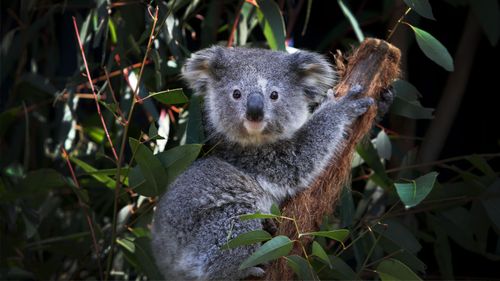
(93, 89)
(397, 24)
(122, 153)
(85, 210)
(148, 48)
(235, 24)
(114, 97)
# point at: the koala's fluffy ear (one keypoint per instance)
(200, 68)
(314, 73)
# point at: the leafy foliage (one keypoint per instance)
(70, 209)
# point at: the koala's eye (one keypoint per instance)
(274, 95)
(236, 94)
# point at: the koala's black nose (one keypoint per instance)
(255, 107)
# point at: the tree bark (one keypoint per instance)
(374, 65)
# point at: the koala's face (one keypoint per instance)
(257, 96)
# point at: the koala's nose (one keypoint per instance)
(255, 107)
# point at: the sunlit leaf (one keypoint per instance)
(107, 181)
(433, 49)
(383, 145)
(277, 247)
(412, 193)
(174, 96)
(352, 20)
(257, 216)
(248, 238)
(272, 24)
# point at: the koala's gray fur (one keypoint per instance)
(254, 164)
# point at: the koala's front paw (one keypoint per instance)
(254, 272)
(353, 103)
(384, 102)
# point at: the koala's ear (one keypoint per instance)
(200, 68)
(314, 73)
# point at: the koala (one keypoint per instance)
(268, 146)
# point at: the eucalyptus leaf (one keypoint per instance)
(277, 247)
(352, 20)
(257, 216)
(174, 96)
(422, 7)
(433, 49)
(392, 269)
(412, 193)
(337, 235)
(301, 267)
(248, 238)
(272, 24)
(319, 252)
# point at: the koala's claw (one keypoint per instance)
(360, 106)
(255, 272)
(354, 91)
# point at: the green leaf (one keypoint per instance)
(433, 49)
(413, 193)
(257, 216)
(151, 168)
(275, 210)
(491, 203)
(488, 14)
(140, 249)
(396, 232)
(383, 145)
(481, 164)
(107, 181)
(277, 247)
(319, 252)
(176, 160)
(127, 244)
(392, 269)
(153, 132)
(410, 109)
(352, 20)
(272, 24)
(341, 270)
(174, 96)
(405, 90)
(248, 239)
(422, 7)
(402, 254)
(95, 133)
(338, 235)
(301, 267)
(369, 154)
(194, 131)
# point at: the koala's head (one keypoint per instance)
(257, 96)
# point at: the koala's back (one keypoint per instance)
(211, 195)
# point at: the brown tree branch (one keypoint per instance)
(374, 65)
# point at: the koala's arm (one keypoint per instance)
(324, 135)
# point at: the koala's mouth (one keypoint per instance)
(254, 127)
